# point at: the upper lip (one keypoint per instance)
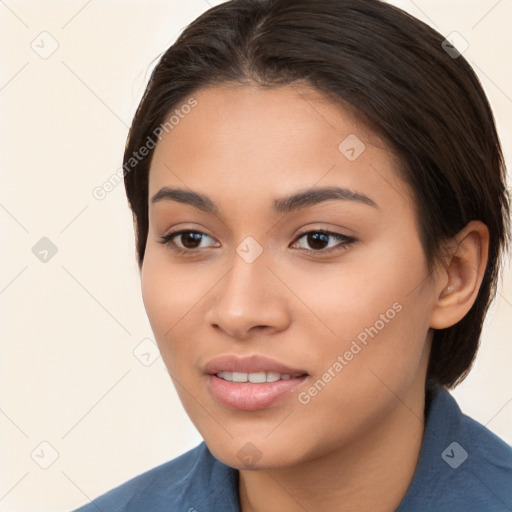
(251, 364)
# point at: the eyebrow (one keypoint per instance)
(297, 201)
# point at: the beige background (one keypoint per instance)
(72, 326)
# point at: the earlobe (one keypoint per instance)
(459, 283)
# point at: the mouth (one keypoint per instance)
(255, 377)
(252, 383)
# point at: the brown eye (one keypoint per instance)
(189, 240)
(318, 241)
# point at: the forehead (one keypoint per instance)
(257, 121)
(248, 138)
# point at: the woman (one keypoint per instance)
(320, 206)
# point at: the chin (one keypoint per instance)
(244, 454)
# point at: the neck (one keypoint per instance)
(373, 473)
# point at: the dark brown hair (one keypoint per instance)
(394, 71)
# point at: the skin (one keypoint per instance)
(355, 445)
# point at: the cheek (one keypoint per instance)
(381, 328)
(373, 312)
(168, 298)
(158, 301)
(352, 294)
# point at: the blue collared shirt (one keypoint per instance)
(463, 467)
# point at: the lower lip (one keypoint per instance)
(246, 396)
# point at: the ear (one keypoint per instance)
(459, 280)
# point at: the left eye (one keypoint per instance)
(319, 240)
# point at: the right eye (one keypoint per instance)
(188, 239)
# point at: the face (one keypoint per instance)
(289, 327)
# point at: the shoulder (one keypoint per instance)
(480, 462)
(462, 466)
(186, 481)
(488, 472)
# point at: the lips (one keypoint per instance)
(251, 383)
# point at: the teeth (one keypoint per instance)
(239, 377)
(255, 378)
(272, 376)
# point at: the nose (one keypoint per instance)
(249, 300)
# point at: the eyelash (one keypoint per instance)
(345, 241)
